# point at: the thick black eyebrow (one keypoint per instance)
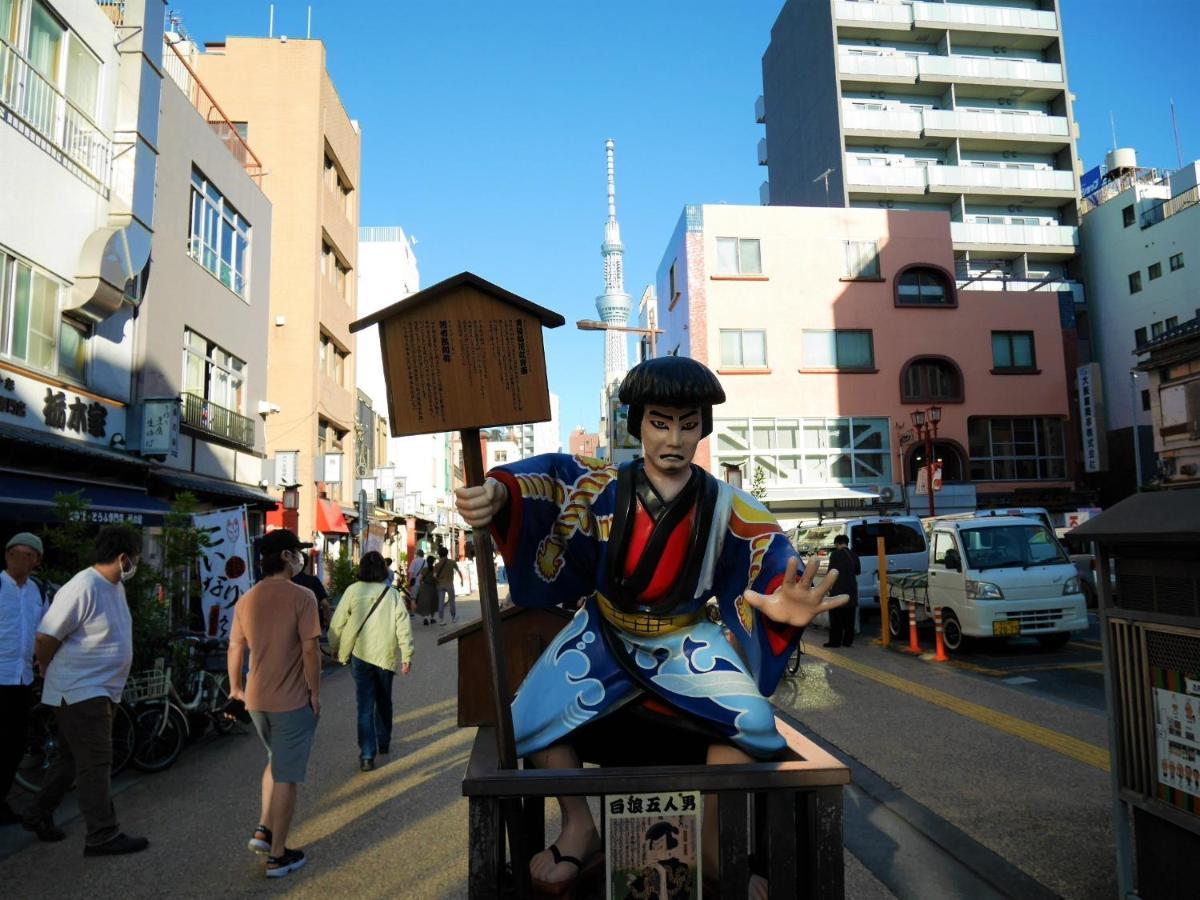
(663, 415)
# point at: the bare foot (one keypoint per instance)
(580, 843)
(757, 889)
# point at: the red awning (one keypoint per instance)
(329, 518)
(275, 517)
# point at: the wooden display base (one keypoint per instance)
(787, 813)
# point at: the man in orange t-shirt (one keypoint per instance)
(278, 622)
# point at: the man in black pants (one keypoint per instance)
(841, 620)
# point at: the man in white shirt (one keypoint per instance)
(85, 647)
(21, 607)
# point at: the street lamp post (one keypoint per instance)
(925, 421)
(594, 325)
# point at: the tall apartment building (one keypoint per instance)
(1140, 237)
(79, 97)
(953, 106)
(280, 98)
(829, 327)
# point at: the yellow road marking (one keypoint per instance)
(1081, 751)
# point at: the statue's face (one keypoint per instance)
(670, 435)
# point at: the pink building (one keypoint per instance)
(583, 443)
(828, 327)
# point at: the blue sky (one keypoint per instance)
(484, 123)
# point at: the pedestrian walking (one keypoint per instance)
(372, 633)
(841, 620)
(278, 624)
(22, 605)
(427, 593)
(84, 646)
(415, 567)
(307, 579)
(444, 571)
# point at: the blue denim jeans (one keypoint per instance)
(373, 687)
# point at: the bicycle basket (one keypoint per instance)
(146, 685)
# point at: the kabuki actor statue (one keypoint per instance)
(643, 548)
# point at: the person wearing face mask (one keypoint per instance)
(277, 622)
(84, 647)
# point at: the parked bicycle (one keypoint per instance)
(43, 743)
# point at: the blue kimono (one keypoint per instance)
(563, 515)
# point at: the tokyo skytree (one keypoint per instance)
(614, 304)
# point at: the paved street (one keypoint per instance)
(964, 785)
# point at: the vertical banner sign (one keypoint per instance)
(923, 479)
(1091, 418)
(225, 572)
(653, 845)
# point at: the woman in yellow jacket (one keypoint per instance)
(371, 631)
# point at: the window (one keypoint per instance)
(943, 543)
(1139, 337)
(1155, 270)
(333, 360)
(739, 256)
(924, 286)
(860, 259)
(1127, 215)
(1016, 449)
(501, 456)
(32, 332)
(841, 349)
(212, 373)
(1176, 262)
(929, 379)
(1172, 322)
(1013, 350)
(747, 349)
(794, 452)
(1156, 330)
(336, 272)
(1135, 282)
(897, 538)
(220, 236)
(673, 285)
(1145, 401)
(46, 37)
(337, 183)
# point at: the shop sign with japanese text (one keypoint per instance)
(32, 403)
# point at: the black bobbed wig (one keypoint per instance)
(670, 381)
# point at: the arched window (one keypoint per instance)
(931, 379)
(945, 452)
(925, 286)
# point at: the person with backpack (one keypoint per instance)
(22, 605)
(371, 633)
(444, 571)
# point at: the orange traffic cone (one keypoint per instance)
(941, 642)
(913, 646)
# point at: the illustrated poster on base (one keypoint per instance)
(653, 846)
(1177, 737)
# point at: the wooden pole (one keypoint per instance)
(881, 549)
(490, 607)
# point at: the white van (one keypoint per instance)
(1003, 576)
(903, 541)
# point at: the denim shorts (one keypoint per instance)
(288, 737)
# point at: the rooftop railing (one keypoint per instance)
(1172, 207)
(177, 67)
(37, 108)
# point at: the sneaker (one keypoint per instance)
(122, 843)
(366, 765)
(442, 622)
(45, 829)
(279, 866)
(260, 841)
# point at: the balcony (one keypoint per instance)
(760, 110)
(764, 194)
(886, 14)
(890, 121)
(959, 68)
(888, 177)
(898, 67)
(1023, 181)
(950, 15)
(952, 123)
(762, 151)
(217, 421)
(36, 108)
(1004, 283)
(1056, 237)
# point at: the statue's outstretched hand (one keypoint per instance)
(796, 601)
(478, 505)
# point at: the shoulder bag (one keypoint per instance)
(361, 624)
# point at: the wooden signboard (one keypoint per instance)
(464, 353)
